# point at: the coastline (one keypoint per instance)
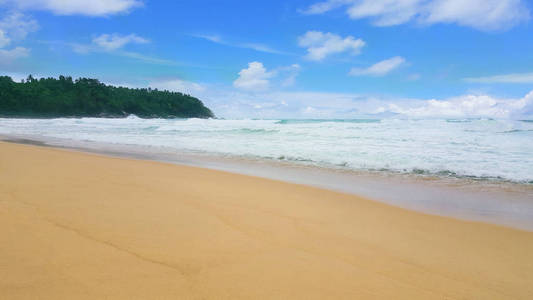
(499, 203)
(79, 225)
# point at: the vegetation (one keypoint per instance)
(84, 97)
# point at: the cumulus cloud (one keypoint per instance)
(92, 8)
(385, 13)
(479, 14)
(279, 104)
(320, 45)
(112, 42)
(14, 27)
(466, 106)
(17, 26)
(506, 78)
(253, 78)
(256, 78)
(228, 102)
(379, 69)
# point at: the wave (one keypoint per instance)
(516, 130)
(459, 120)
(476, 148)
(255, 130)
(311, 121)
(415, 171)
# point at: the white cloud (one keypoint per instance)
(178, 85)
(254, 46)
(276, 104)
(484, 15)
(466, 106)
(14, 27)
(292, 72)
(228, 102)
(385, 13)
(319, 45)
(256, 78)
(479, 14)
(506, 78)
(381, 68)
(253, 78)
(17, 26)
(78, 7)
(322, 7)
(211, 38)
(260, 48)
(7, 56)
(115, 41)
(110, 45)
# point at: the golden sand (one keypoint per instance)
(84, 226)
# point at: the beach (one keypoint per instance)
(85, 226)
(471, 169)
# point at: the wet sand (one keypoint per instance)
(490, 201)
(85, 226)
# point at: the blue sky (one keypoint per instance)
(273, 59)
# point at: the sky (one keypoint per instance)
(288, 59)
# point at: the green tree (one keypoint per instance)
(86, 97)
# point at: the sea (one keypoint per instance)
(473, 156)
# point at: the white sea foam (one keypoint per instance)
(477, 148)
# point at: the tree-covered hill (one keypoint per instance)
(84, 97)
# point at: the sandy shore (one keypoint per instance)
(84, 226)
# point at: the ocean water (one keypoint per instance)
(477, 149)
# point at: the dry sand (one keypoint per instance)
(84, 226)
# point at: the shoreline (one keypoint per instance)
(85, 226)
(507, 204)
(495, 155)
